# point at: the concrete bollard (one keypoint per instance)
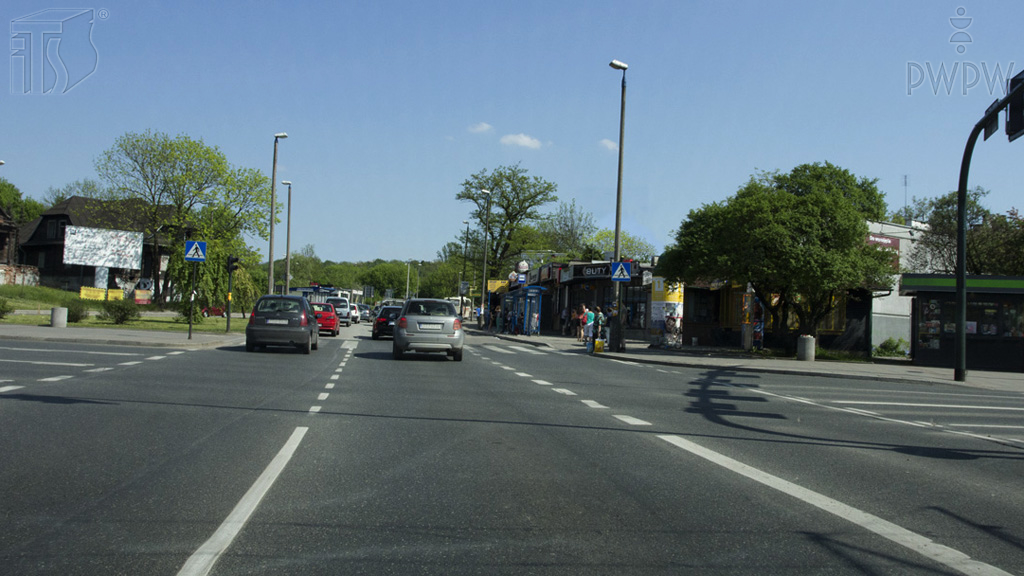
(59, 317)
(805, 348)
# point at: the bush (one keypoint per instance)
(183, 311)
(77, 310)
(893, 348)
(5, 308)
(119, 311)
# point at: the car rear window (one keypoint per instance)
(320, 307)
(278, 305)
(426, 308)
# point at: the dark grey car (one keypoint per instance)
(282, 321)
(428, 325)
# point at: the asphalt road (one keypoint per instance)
(517, 460)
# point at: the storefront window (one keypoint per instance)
(987, 317)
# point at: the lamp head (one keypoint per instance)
(286, 182)
(618, 65)
(281, 135)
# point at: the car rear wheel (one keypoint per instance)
(457, 355)
(375, 335)
(316, 341)
(250, 347)
(396, 352)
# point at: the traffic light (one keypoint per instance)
(232, 264)
(1015, 110)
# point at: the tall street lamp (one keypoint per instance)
(408, 265)
(462, 278)
(618, 340)
(273, 212)
(485, 305)
(288, 241)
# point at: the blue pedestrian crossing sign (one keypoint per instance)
(621, 271)
(195, 251)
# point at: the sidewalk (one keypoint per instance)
(728, 359)
(120, 336)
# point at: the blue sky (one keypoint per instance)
(390, 105)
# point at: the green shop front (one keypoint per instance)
(995, 321)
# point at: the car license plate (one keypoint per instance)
(437, 327)
(282, 321)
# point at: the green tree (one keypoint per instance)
(86, 188)
(516, 200)
(22, 210)
(807, 247)
(630, 247)
(568, 229)
(384, 276)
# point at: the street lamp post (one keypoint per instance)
(273, 212)
(462, 278)
(288, 241)
(408, 264)
(485, 305)
(618, 340)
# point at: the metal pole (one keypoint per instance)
(192, 300)
(618, 340)
(273, 216)
(288, 246)
(485, 300)
(408, 264)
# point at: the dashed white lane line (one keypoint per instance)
(323, 396)
(497, 349)
(564, 391)
(54, 378)
(104, 369)
(9, 388)
(626, 362)
(927, 548)
(43, 363)
(632, 421)
(156, 357)
(507, 368)
(132, 363)
(524, 375)
(314, 409)
(496, 363)
(202, 561)
(330, 386)
(542, 382)
(334, 376)
(342, 364)
(176, 352)
(593, 404)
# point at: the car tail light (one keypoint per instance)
(401, 323)
(252, 316)
(302, 320)
(457, 324)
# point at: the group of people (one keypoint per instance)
(587, 324)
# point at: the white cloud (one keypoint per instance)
(609, 144)
(520, 140)
(480, 127)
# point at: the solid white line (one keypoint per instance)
(497, 349)
(524, 375)
(41, 363)
(133, 363)
(105, 369)
(323, 396)
(156, 357)
(927, 548)
(632, 421)
(54, 378)
(986, 426)
(593, 404)
(314, 409)
(542, 382)
(564, 391)
(330, 386)
(9, 388)
(70, 351)
(922, 405)
(527, 350)
(202, 561)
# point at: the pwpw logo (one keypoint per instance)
(52, 50)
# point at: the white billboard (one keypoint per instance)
(100, 247)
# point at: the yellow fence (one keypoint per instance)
(86, 293)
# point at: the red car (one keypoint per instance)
(326, 317)
(214, 311)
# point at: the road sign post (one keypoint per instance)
(195, 252)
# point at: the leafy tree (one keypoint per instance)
(385, 275)
(568, 228)
(793, 236)
(516, 200)
(86, 188)
(22, 210)
(603, 241)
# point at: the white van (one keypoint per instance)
(343, 309)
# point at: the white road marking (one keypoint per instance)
(524, 375)
(507, 368)
(104, 369)
(496, 363)
(176, 352)
(593, 404)
(69, 351)
(986, 426)
(314, 409)
(626, 362)
(343, 364)
(54, 378)
(632, 421)
(350, 344)
(9, 388)
(497, 349)
(330, 386)
(663, 371)
(323, 396)
(564, 391)
(133, 363)
(156, 357)
(43, 363)
(928, 548)
(528, 350)
(542, 382)
(202, 561)
(923, 405)
(334, 376)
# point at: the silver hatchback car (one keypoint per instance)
(427, 325)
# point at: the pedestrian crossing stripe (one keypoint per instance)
(620, 271)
